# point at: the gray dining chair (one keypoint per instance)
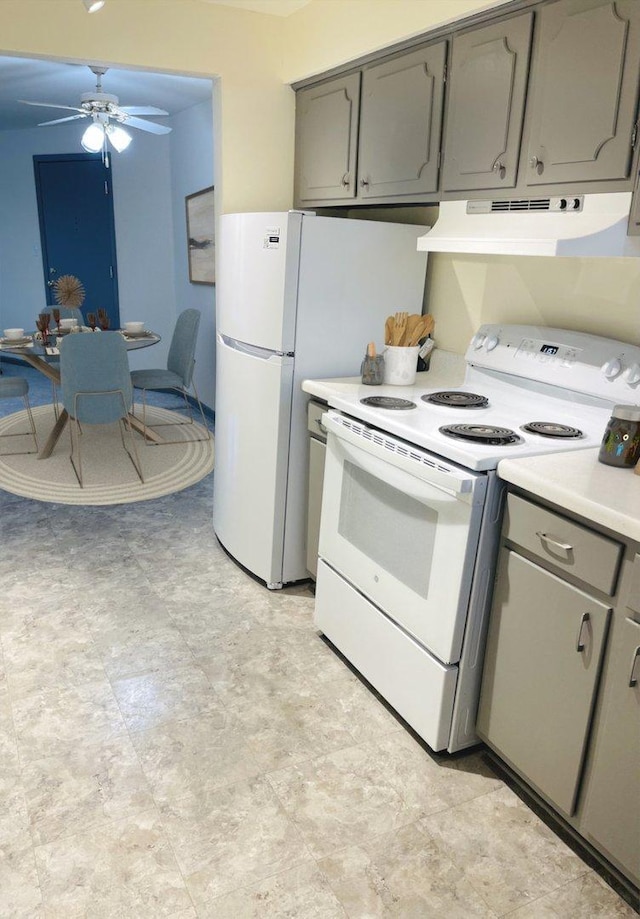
(178, 374)
(18, 388)
(96, 389)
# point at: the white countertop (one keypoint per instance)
(446, 370)
(608, 495)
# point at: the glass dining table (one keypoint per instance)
(46, 359)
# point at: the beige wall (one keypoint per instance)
(255, 55)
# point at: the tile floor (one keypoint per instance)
(176, 741)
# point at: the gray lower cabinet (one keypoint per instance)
(327, 118)
(584, 92)
(542, 664)
(400, 124)
(611, 813)
(485, 106)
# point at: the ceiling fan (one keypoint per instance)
(107, 117)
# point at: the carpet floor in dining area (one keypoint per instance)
(178, 742)
(109, 477)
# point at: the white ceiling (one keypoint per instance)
(274, 7)
(63, 84)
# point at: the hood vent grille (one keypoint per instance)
(527, 205)
(521, 204)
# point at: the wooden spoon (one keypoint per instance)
(388, 331)
(399, 327)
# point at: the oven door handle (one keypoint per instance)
(392, 474)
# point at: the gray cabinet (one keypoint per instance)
(391, 135)
(326, 139)
(611, 818)
(400, 124)
(584, 92)
(542, 663)
(485, 106)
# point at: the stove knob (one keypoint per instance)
(491, 342)
(632, 375)
(612, 368)
(478, 341)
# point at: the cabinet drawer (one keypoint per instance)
(572, 548)
(315, 411)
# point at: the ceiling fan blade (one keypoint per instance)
(69, 108)
(42, 124)
(143, 125)
(142, 110)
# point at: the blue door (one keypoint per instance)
(75, 205)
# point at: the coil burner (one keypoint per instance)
(388, 402)
(482, 434)
(454, 399)
(552, 429)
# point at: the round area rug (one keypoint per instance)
(108, 473)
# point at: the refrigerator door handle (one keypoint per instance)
(253, 350)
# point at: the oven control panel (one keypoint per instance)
(577, 361)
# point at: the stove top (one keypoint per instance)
(549, 389)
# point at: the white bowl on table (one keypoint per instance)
(134, 327)
(13, 334)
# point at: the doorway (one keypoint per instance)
(77, 231)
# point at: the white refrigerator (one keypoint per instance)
(298, 296)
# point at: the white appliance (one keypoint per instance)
(564, 225)
(412, 506)
(298, 296)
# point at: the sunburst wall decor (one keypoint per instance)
(69, 291)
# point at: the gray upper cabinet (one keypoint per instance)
(326, 139)
(485, 106)
(584, 92)
(400, 124)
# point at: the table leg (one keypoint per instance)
(53, 437)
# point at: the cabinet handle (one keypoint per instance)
(346, 181)
(321, 426)
(365, 183)
(635, 657)
(537, 164)
(567, 547)
(499, 167)
(579, 642)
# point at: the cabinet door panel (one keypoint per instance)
(585, 88)
(326, 139)
(537, 687)
(612, 806)
(486, 105)
(400, 124)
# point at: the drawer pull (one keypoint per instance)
(633, 678)
(565, 546)
(579, 642)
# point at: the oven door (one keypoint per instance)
(402, 527)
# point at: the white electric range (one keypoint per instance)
(412, 507)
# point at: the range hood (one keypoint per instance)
(571, 225)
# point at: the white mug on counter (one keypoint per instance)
(400, 365)
(13, 334)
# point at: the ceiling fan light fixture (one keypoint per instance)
(92, 6)
(119, 138)
(93, 138)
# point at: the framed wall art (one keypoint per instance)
(201, 236)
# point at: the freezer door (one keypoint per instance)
(253, 409)
(258, 278)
